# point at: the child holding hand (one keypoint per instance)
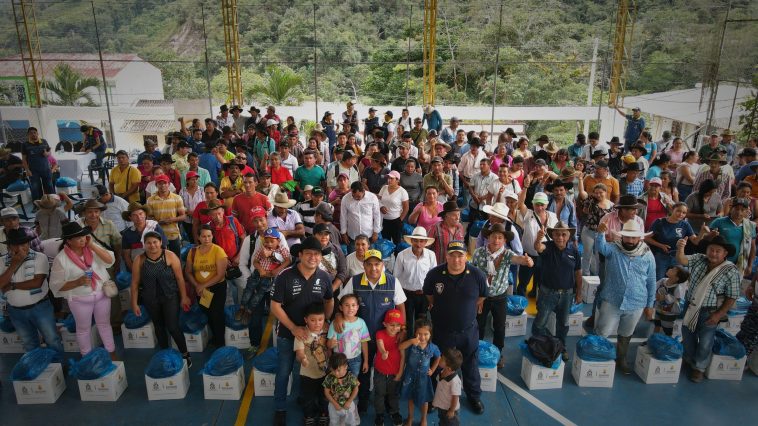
(312, 354)
(422, 359)
(669, 291)
(447, 398)
(353, 341)
(388, 368)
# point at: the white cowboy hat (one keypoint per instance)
(632, 229)
(419, 233)
(498, 210)
(281, 200)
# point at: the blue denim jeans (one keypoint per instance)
(286, 360)
(698, 344)
(612, 320)
(550, 300)
(32, 322)
(354, 365)
(663, 261)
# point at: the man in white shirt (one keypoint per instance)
(22, 281)
(115, 206)
(288, 160)
(479, 190)
(224, 119)
(594, 145)
(469, 164)
(411, 267)
(346, 165)
(359, 214)
(448, 134)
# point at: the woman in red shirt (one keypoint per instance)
(657, 202)
(279, 174)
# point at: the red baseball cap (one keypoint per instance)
(191, 175)
(162, 178)
(257, 212)
(393, 316)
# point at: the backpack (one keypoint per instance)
(545, 349)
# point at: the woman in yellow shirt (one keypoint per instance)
(206, 271)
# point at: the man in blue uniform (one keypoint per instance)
(378, 292)
(456, 291)
(34, 157)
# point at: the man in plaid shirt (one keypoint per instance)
(10, 220)
(721, 291)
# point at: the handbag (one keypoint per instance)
(110, 289)
(233, 272)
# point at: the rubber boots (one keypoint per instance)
(622, 348)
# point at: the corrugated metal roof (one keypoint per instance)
(87, 64)
(149, 126)
(154, 103)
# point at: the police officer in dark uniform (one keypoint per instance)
(456, 292)
(295, 288)
(34, 156)
(378, 292)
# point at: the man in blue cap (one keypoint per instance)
(455, 292)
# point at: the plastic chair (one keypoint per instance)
(8, 200)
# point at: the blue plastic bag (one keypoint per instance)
(489, 355)
(123, 280)
(18, 185)
(664, 348)
(516, 305)
(344, 249)
(70, 323)
(400, 247)
(193, 321)
(741, 305)
(132, 321)
(465, 215)
(65, 182)
(165, 363)
(94, 365)
(6, 326)
(229, 320)
(525, 352)
(184, 252)
(268, 361)
(384, 246)
(476, 227)
(576, 307)
(225, 360)
(407, 228)
(33, 363)
(727, 345)
(595, 348)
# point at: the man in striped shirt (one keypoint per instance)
(168, 210)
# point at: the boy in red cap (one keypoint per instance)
(388, 368)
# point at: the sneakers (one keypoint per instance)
(397, 419)
(379, 420)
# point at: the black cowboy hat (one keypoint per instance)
(628, 202)
(719, 240)
(73, 230)
(632, 167)
(309, 243)
(639, 147)
(558, 183)
(16, 237)
(449, 207)
(166, 158)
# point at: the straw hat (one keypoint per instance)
(632, 229)
(561, 226)
(419, 233)
(281, 200)
(48, 201)
(212, 205)
(133, 207)
(498, 210)
(551, 147)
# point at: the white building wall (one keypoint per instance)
(138, 80)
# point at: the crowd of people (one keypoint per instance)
(289, 223)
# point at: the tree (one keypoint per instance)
(70, 87)
(280, 86)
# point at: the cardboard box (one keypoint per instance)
(229, 387)
(45, 389)
(69, 339)
(125, 296)
(108, 388)
(515, 326)
(575, 324)
(725, 368)
(264, 383)
(239, 339)
(488, 379)
(589, 288)
(539, 377)
(593, 374)
(174, 387)
(733, 324)
(653, 371)
(138, 338)
(195, 342)
(10, 343)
